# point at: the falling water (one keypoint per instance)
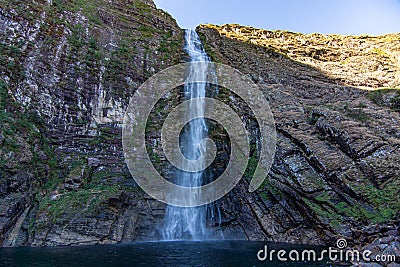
(190, 223)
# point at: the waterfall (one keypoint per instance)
(190, 223)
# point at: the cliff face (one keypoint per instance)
(358, 61)
(336, 170)
(67, 71)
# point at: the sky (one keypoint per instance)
(357, 17)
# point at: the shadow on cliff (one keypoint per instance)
(325, 181)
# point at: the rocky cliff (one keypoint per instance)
(336, 105)
(68, 69)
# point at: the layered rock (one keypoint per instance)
(68, 69)
(336, 170)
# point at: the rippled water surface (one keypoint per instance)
(211, 253)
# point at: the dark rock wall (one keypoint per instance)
(67, 71)
(336, 170)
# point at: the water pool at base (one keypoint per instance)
(177, 253)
